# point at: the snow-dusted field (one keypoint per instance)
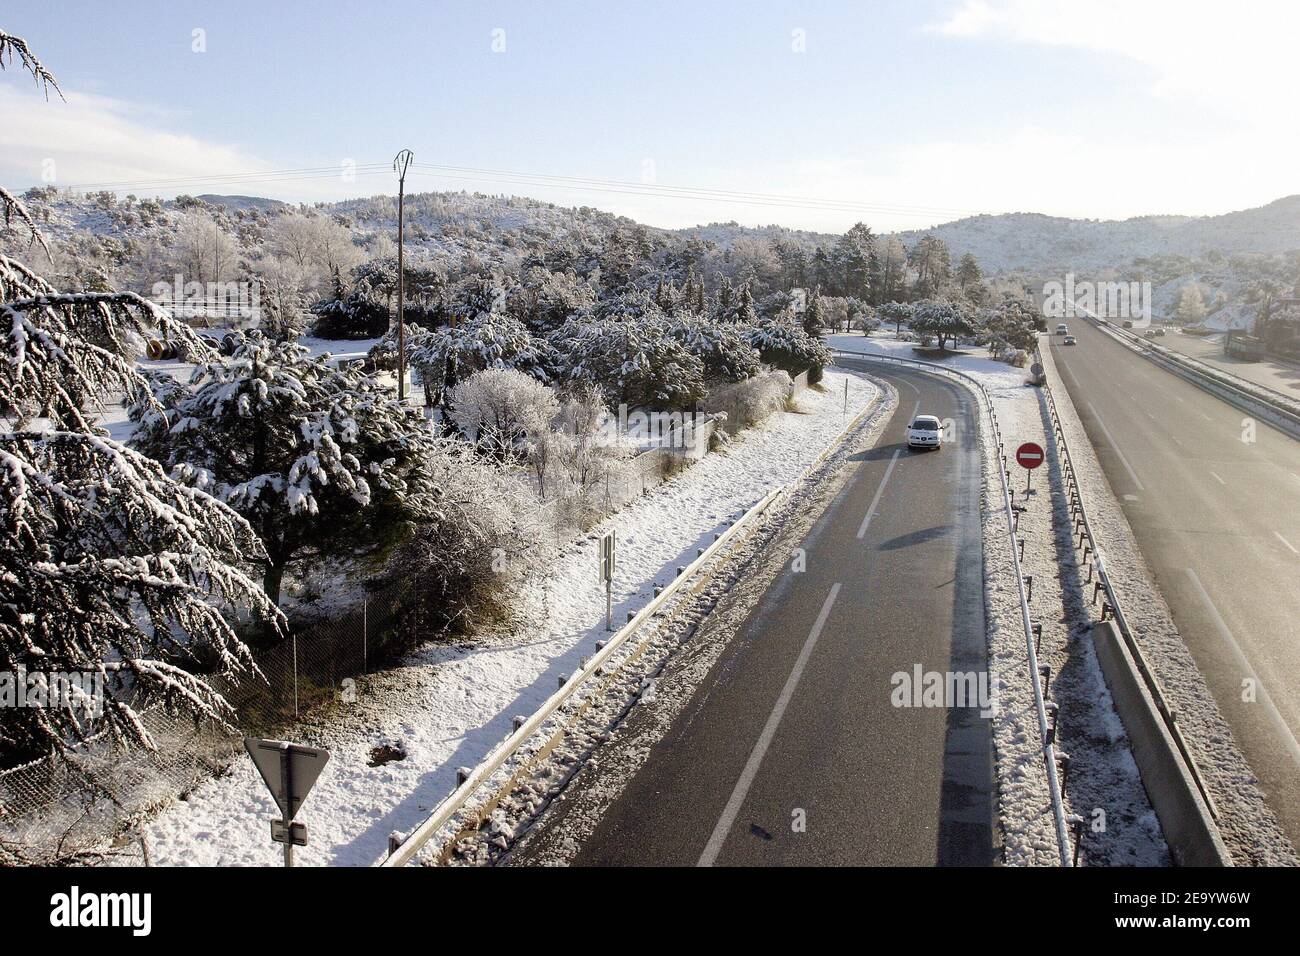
(448, 705)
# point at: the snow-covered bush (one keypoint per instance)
(787, 346)
(635, 362)
(490, 340)
(497, 407)
(749, 402)
(317, 458)
(473, 552)
(721, 345)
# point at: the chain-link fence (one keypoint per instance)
(61, 809)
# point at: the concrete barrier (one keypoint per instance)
(1190, 830)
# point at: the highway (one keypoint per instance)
(1217, 519)
(790, 751)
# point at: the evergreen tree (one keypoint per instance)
(320, 460)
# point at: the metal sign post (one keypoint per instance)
(608, 559)
(290, 771)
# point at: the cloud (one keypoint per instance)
(1237, 59)
(93, 139)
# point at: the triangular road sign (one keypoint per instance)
(290, 770)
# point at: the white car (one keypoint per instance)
(1062, 329)
(925, 432)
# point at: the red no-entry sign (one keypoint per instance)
(1029, 455)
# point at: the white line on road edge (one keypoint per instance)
(714, 846)
(1286, 542)
(871, 508)
(1273, 715)
(1115, 448)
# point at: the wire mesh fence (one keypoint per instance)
(61, 809)
(78, 805)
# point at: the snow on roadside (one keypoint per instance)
(1102, 772)
(448, 705)
(1246, 822)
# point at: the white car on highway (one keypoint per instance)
(1062, 329)
(925, 432)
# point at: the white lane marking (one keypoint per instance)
(1217, 478)
(1115, 448)
(871, 509)
(1205, 416)
(729, 812)
(875, 500)
(1274, 717)
(1286, 542)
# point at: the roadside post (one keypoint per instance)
(1029, 456)
(608, 558)
(290, 771)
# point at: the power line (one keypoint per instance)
(545, 180)
(697, 191)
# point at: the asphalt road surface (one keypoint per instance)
(794, 725)
(1218, 520)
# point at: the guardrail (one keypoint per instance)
(1048, 736)
(1258, 400)
(1112, 606)
(403, 850)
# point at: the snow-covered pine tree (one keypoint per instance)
(106, 565)
(448, 355)
(721, 345)
(814, 319)
(320, 460)
(784, 345)
(635, 360)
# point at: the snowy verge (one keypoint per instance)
(448, 705)
(1246, 823)
(1102, 771)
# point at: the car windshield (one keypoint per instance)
(922, 425)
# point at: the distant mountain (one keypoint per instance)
(1037, 243)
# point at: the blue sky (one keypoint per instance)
(931, 109)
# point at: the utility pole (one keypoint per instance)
(400, 164)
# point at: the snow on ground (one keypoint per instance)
(1102, 771)
(448, 705)
(1246, 822)
(1281, 377)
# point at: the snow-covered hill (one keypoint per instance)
(1035, 243)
